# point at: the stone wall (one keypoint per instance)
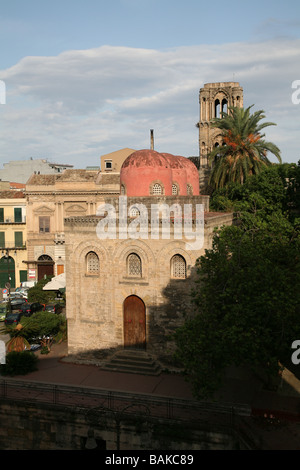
(53, 427)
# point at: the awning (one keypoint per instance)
(56, 283)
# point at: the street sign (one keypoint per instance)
(4, 291)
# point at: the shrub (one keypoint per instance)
(19, 363)
(48, 323)
(37, 294)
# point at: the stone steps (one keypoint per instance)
(134, 362)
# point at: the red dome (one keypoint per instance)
(147, 172)
(145, 158)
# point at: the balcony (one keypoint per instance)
(11, 246)
(11, 220)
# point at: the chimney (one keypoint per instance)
(151, 139)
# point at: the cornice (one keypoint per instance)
(71, 193)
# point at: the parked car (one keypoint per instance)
(17, 304)
(15, 295)
(54, 308)
(13, 318)
(22, 291)
(29, 308)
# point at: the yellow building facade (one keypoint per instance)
(52, 198)
(13, 238)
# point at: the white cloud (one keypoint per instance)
(80, 104)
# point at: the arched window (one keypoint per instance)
(134, 212)
(174, 189)
(45, 258)
(92, 263)
(157, 189)
(217, 108)
(178, 267)
(224, 106)
(134, 265)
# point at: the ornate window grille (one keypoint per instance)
(156, 189)
(134, 265)
(174, 189)
(134, 212)
(92, 263)
(178, 267)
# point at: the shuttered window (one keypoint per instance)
(18, 239)
(2, 239)
(18, 214)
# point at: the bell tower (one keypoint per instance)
(215, 98)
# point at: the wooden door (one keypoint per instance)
(44, 270)
(45, 266)
(134, 323)
(60, 269)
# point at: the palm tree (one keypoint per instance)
(18, 335)
(244, 150)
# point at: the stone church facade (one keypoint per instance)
(131, 292)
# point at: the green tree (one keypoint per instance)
(48, 323)
(244, 152)
(247, 303)
(275, 190)
(37, 294)
(37, 328)
(248, 297)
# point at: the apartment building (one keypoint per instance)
(13, 238)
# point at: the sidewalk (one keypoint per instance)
(54, 368)
(275, 416)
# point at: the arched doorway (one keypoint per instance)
(134, 323)
(45, 266)
(7, 271)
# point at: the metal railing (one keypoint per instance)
(84, 397)
(227, 418)
(12, 246)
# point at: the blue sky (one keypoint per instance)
(85, 78)
(41, 27)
